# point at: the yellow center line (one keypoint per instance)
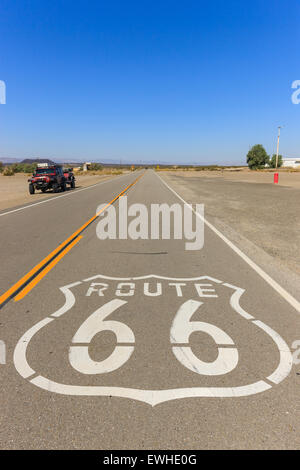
(45, 271)
(36, 268)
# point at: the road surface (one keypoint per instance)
(139, 344)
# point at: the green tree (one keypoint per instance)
(1, 167)
(257, 157)
(273, 161)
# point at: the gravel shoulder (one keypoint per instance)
(287, 177)
(261, 218)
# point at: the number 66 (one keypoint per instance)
(181, 330)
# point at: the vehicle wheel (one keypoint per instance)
(55, 188)
(31, 188)
(73, 184)
(63, 186)
(43, 190)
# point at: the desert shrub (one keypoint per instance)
(23, 167)
(8, 171)
(208, 168)
(95, 167)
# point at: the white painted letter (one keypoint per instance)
(178, 286)
(101, 287)
(152, 294)
(201, 291)
(129, 293)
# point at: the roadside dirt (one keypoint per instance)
(287, 178)
(260, 217)
(14, 189)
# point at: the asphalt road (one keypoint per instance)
(133, 344)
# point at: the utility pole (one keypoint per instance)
(279, 127)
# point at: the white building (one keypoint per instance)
(86, 166)
(291, 162)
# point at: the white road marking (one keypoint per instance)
(79, 355)
(234, 301)
(178, 286)
(69, 299)
(226, 361)
(149, 276)
(183, 327)
(20, 360)
(281, 291)
(96, 322)
(152, 294)
(81, 361)
(286, 358)
(153, 397)
(62, 195)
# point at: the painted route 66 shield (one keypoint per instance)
(153, 339)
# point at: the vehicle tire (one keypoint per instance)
(55, 188)
(63, 186)
(31, 189)
(73, 184)
(44, 190)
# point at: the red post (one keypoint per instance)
(275, 177)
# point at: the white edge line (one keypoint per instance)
(62, 195)
(281, 291)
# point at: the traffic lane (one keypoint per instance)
(270, 417)
(29, 235)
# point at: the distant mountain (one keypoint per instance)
(9, 160)
(38, 160)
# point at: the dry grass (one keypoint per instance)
(104, 172)
(229, 168)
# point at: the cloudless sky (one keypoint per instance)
(170, 81)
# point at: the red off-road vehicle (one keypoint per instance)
(70, 178)
(47, 177)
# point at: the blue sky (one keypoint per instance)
(193, 81)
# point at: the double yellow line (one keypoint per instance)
(36, 274)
